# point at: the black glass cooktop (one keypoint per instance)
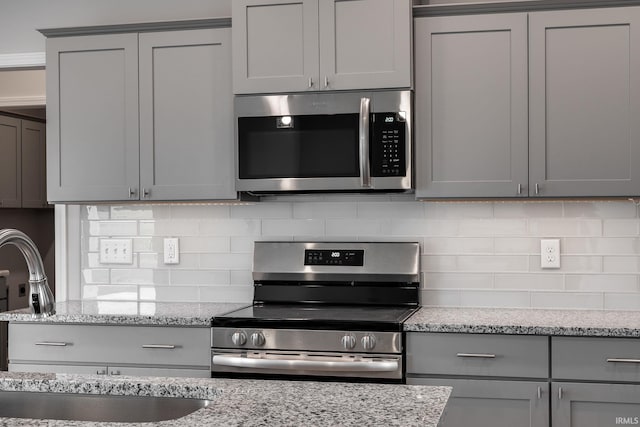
(310, 316)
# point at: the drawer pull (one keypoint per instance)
(101, 372)
(615, 360)
(539, 392)
(164, 346)
(114, 373)
(52, 344)
(477, 355)
(560, 393)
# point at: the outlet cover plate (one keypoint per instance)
(549, 253)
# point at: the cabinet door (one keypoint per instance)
(275, 45)
(585, 102)
(365, 44)
(493, 403)
(186, 117)
(471, 106)
(10, 162)
(594, 405)
(92, 108)
(34, 179)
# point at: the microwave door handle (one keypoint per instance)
(365, 166)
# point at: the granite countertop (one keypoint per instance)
(127, 313)
(593, 323)
(251, 402)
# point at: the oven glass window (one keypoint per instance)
(314, 146)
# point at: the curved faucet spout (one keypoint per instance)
(41, 299)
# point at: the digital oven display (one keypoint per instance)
(349, 257)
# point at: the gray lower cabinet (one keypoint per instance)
(589, 376)
(540, 104)
(140, 116)
(471, 106)
(311, 45)
(110, 349)
(22, 163)
(594, 405)
(498, 380)
(493, 403)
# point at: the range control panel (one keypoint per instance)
(346, 257)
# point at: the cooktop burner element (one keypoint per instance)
(322, 310)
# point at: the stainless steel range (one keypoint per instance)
(322, 310)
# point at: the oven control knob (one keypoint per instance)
(257, 339)
(368, 342)
(239, 338)
(348, 342)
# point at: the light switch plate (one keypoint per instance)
(549, 253)
(116, 251)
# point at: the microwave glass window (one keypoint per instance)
(312, 147)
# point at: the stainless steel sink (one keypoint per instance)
(87, 407)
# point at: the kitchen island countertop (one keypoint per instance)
(127, 313)
(585, 323)
(251, 402)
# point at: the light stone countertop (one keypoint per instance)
(587, 323)
(251, 403)
(127, 313)
(4, 273)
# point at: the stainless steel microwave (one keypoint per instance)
(347, 141)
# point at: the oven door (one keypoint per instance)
(312, 364)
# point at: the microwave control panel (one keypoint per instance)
(388, 145)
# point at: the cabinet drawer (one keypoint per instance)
(599, 359)
(185, 347)
(477, 355)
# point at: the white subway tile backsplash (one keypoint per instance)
(601, 283)
(621, 227)
(293, 227)
(484, 253)
(527, 210)
(324, 210)
(572, 300)
(603, 209)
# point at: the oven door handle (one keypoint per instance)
(365, 164)
(307, 365)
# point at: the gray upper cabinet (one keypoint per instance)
(34, 179)
(140, 116)
(548, 111)
(92, 126)
(585, 102)
(311, 45)
(186, 123)
(10, 162)
(471, 106)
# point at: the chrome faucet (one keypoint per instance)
(41, 299)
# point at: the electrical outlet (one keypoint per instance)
(116, 251)
(171, 250)
(550, 253)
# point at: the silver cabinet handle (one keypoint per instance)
(310, 84)
(477, 355)
(618, 360)
(162, 346)
(309, 365)
(519, 188)
(52, 344)
(101, 372)
(114, 373)
(560, 393)
(145, 192)
(326, 81)
(365, 172)
(132, 192)
(539, 392)
(537, 188)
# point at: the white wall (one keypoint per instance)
(473, 253)
(19, 19)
